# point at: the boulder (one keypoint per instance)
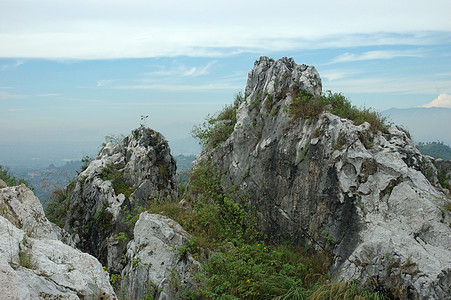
(370, 198)
(159, 263)
(35, 263)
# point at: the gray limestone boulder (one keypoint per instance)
(114, 188)
(159, 262)
(2, 184)
(35, 263)
(370, 198)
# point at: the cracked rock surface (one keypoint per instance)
(35, 263)
(370, 198)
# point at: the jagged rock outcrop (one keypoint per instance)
(112, 191)
(35, 263)
(370, 198)
(159, 263)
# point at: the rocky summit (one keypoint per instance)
(366, 195)
(114, 189)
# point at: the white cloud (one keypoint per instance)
(15, 109)
(199, 71)
(374, 55)
(180, 87)
(336, 74)
(100, 29)
(103, 82)
(6, 96)
(49, 95)
(443, 100)
(11, 66)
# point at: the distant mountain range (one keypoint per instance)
(424, 124)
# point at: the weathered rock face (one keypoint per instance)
(335, 185)
(23, 209)
(158, 261)
(35, 263)
(114, 189)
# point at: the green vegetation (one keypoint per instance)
(243, 265)
(344, 291)
(306, 105)
(11, 180)
(216, 129)
(59, 204)
(114, 174)
(25, 258)
(443, 179)
(435, 149)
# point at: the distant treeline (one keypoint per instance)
(435, 149)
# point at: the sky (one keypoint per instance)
(73, 72)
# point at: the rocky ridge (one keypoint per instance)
(369, 197)
(34, 261)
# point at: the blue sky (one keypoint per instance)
(72, 72)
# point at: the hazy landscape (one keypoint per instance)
(226, 150)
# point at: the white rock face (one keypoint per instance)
(157, 259)
(371, 198)
(34, 263)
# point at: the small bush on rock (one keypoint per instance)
(306, 105)
(216, 129)
(11, 180)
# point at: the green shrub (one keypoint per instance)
(59, 204)
(344, 291)
(306, 105)
(11, 180)
(216, 129)
(443, 179)
(26, 259)
(114, 174)
(259, 271)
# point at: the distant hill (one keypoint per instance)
(424, 124)
(435, 149)
(45, 180)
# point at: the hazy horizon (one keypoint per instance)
(72, 73)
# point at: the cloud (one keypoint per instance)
(49, 95)
(443, 100)
(199, 71)
(181, 87)
(374, 55)
(103, 82)
(336, 74)
(181, 70)
(100, 29)
(15, 109)
(11, 66)
(6, 96)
